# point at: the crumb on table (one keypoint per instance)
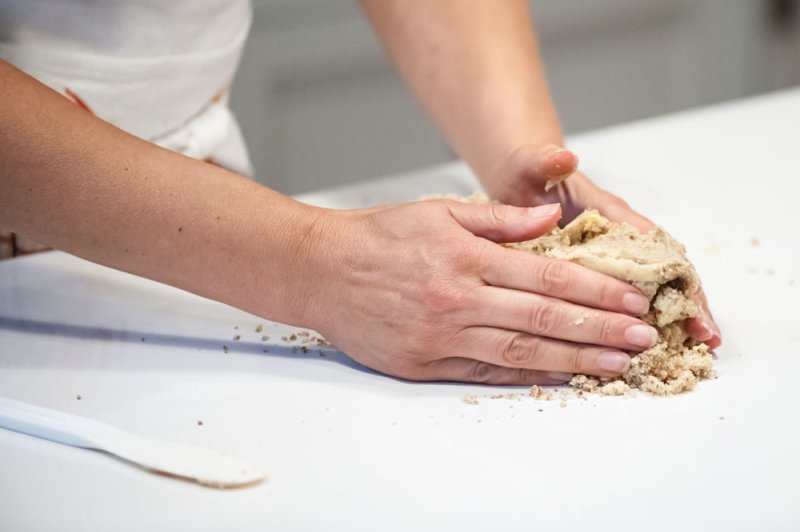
(470, 399)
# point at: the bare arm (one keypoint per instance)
(76, 183)
(476, 67)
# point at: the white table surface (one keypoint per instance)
(348, 449)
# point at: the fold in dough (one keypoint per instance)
(656, 264)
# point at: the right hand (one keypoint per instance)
(521, 180)
(422, 291)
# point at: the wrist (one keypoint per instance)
(308, 260)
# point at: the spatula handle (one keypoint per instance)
(51, 424)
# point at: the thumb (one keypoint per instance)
(540, 165)
(504, 223)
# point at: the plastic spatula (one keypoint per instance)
(188, 462)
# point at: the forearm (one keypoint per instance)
(475, 65)
(76, 183)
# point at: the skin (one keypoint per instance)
(477, 68)
(422, 290)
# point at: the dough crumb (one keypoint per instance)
(537, 392)
(304, 339)
(470, 399)
(755, 241)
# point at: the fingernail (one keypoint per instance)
(641, 335)
(559, 376)
(708, 331)
(635, 303)
(543, 211)
(614, 361)
(560, 168)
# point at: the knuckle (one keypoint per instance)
(483, 260)
(522, 376)
(554, 277)
(575, 359)
(499, 213)
(544, 317)
(402, 370)
(422, 342)
(520, 351)
(439, 296)
(408, 371)
(470, 257)
(606, 292)
(480, 372)
(605, 328)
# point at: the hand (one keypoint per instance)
(422, 291)
(523, 180)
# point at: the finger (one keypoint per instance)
(504, 223)
(617, 210)
(520, 270)
(468, 370)
(553, 318)
(698, 329)
(524, 351)
(703, 328)
(701, 296)
(539, 165)
(612, 207)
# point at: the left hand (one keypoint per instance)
(522, 180)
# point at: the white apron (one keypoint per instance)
(158, 69)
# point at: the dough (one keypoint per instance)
(656, 264)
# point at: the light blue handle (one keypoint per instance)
(52, 425)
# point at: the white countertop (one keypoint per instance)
(348, 449)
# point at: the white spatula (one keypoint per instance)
(188, 462)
